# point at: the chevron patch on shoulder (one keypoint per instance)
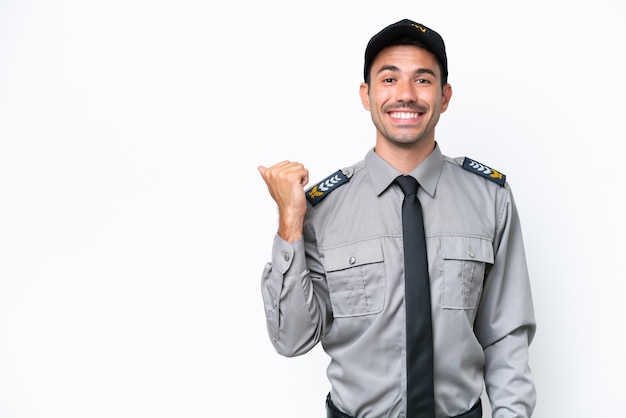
(483, 170)
(318, 192)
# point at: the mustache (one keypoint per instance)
(406, 106)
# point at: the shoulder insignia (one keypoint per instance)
(318, 192)
(483, 170)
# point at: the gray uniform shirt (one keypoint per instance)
(343, 285)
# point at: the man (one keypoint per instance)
(337, 274)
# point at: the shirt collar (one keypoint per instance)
(427, 173)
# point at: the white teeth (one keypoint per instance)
(403, 115)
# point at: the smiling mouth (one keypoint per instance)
(404, 115)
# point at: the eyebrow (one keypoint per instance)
(395, 69)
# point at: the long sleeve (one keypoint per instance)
(294, 299)
(505, 324)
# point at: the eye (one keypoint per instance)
(422, 81)
(388, 80)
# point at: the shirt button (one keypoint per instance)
(285, 256)
(471, 253)
(352, 260)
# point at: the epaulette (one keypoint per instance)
(318, 192)
(483, 170)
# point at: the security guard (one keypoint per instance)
(336, 276)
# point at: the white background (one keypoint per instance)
(134, 225)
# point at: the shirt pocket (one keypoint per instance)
(356, 278)
(465, 260)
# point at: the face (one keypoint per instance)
(405, 97)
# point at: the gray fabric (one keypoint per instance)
(343, 286)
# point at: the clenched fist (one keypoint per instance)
(285, 182)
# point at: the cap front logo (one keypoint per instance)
(423, 29)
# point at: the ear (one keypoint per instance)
(447, 94)
(365, 99)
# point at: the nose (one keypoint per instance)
(406, 92)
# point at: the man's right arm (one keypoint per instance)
(295, 310)
(295, 297)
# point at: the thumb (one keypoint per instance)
(262, 169)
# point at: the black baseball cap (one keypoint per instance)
(406, 29)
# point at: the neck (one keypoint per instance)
(404, 159)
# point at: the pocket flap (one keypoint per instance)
(357, 254)
(467, 248)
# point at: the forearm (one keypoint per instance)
(508, 378)
(292, 310)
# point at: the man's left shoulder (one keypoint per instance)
(480, 169)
